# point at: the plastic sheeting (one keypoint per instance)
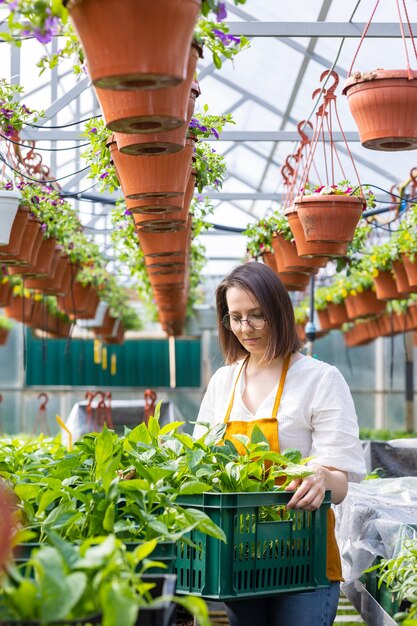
(373, 520)
(395, 458)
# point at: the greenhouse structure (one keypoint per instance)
(208, 312)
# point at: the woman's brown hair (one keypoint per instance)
(274, 301)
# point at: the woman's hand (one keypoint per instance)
(309, 491)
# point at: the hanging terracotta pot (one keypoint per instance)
(168, 222)
(288, 260)
(350, 305)
(154, 206)
(367, 304)
(385, 325)
(149, 111)
(20, 309)
(325, 323)
(412, 316)
(117, 335)
(153, 176)
(309, 249)
(164, 245)
(384, 106)
(54, 284)
(331, 218)
(30, 244)
(5, 294)
(269, 260)
(294, 281)
(401, 279)
(7, 253)
(138, 45)
(337, 313)
(9, 202)
(82, 301)
(386, 287)
(41, 268)
(300, 328)
(410, 266)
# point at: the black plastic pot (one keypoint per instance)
(162, 614)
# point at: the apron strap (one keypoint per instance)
(285, 367)
(232, 397)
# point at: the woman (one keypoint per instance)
(298, 402)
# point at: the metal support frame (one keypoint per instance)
(348, 30)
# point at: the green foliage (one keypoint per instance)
(384, 434)
(260, 234)
(215, 37)
(5, 323)
(342, 188)
(97, 155)
(400, 576)
(13, 114)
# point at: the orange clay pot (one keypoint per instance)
(148, 113)
(337, 313)
(20, 309)
(269, 260)
(294, 281)
(401, 279)
(288, 260)
(325, 323)
(7, 253)
(153, 176)
(5, 294)
(330, 218)
(410, 267)
(384, 107)
(386, 287)
(309, 249)
(42, 267)
(135, 44)
(367, 304)
(4, 335)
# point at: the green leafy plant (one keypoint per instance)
(5, 323)
(13, 114)
(342, 188)
(260, 234)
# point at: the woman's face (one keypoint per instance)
(240, 304)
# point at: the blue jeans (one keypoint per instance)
(309, 608)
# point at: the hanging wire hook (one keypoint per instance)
(42, 406)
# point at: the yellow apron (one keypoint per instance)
(269, 427)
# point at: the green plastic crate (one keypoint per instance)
(260, 558)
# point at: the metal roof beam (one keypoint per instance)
(348, 30)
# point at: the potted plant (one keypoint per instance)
(380, 264)
(383, 104)
(361, 300)
(285, 249)
(9, 202)
(330, 213)
(406, 240)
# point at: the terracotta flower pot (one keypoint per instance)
(20, 309)
(337, 313)
(5, 294)
(330, 218)
(294, 281)
(367, 304)
(7, 253)
(164, 245)
(136, 45)
(386, 287)
(325, 323)
(350, 305)
(288, 260)
(151, 117)
(41, 268)
(384, 106)
(410, 266)
(309, 249)
(154, 206)
(385, 325)
(82, 301)
(269, 260)
(168, 222)
(401, 280)
(153, 176)
(54, 284)
(29, 245)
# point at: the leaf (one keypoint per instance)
(217, 60)
(23, 599)
(244, 440)
(216, 434)
(108, 520)
(47, 498)
(170, 427)
(139, 434)
(196, 606)
(153, 427)
(145, 549)
(257, 436)
(186, 440)
(195, 457)
(119, 605)
(202, 522)
(293, 455)
(194, 487)
(27, 491)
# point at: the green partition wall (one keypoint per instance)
(140, 363)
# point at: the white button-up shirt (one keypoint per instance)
(316, 414)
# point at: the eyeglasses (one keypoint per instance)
(254, 320)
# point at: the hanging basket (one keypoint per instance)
(135, 44)
(367, 304)
(288, 260)
(386, 287)
(269, 260)
(410, 266)
(294, 281)
(5, 294)
(29, 245)
(9, 252)
(324, 319)
(337, 314)
(310, 249)
(401, 279)
(153, 176)
(9, 203)
(150, 112)
(383, 104)
(330, 219)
